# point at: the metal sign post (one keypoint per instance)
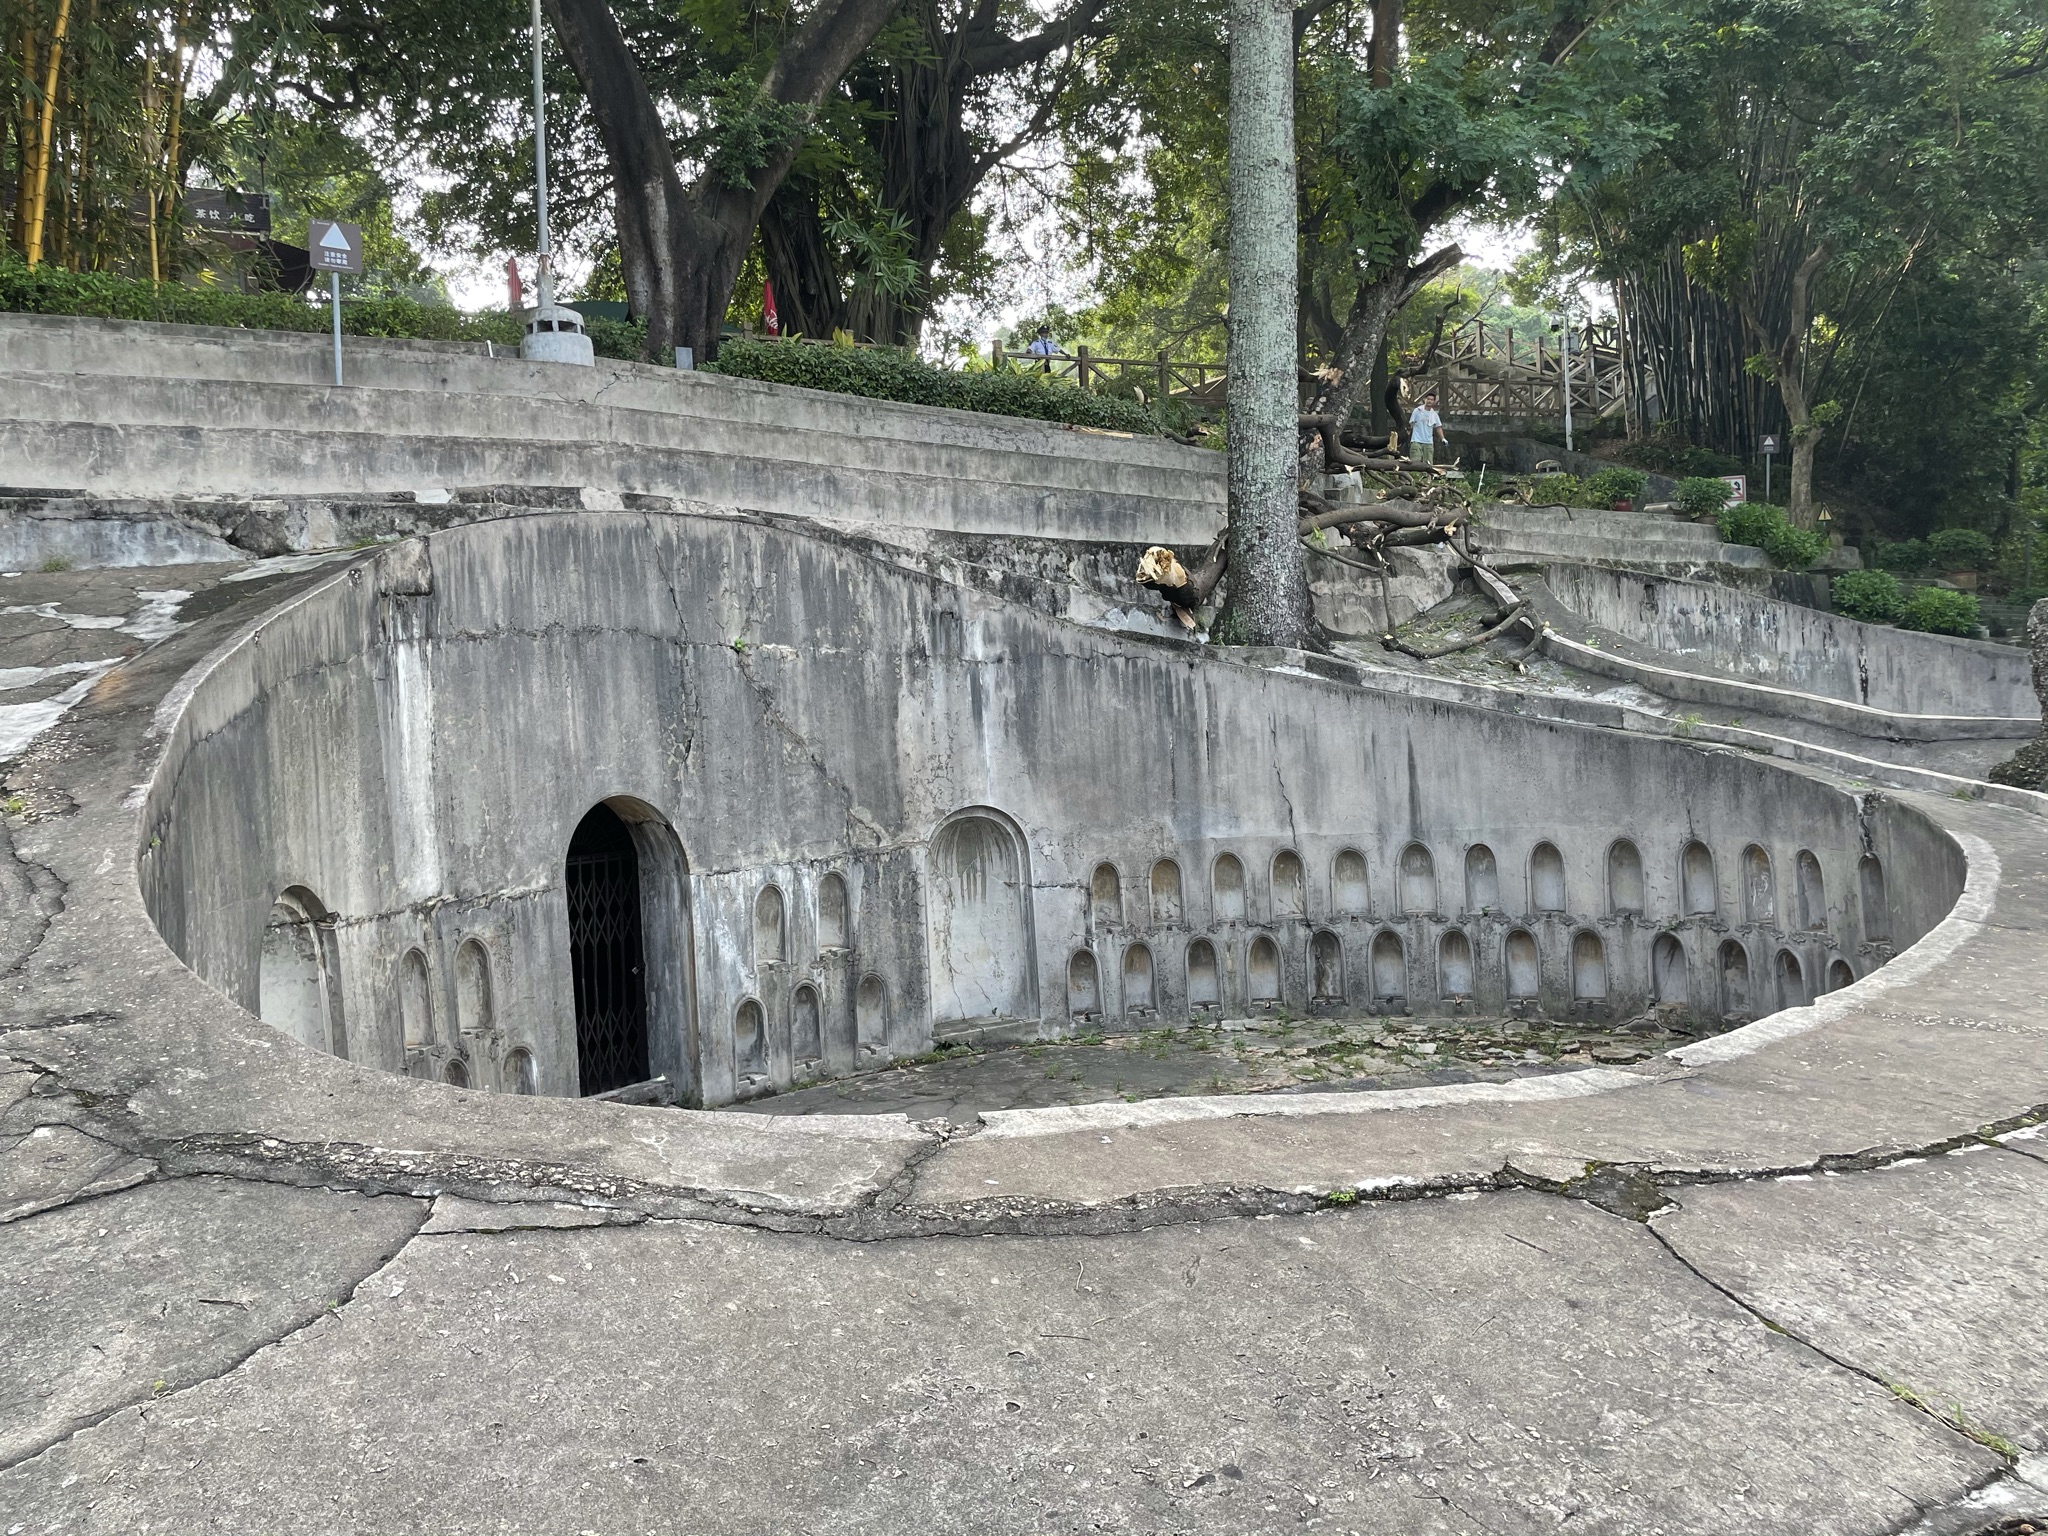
(336, 248)
(1770, 446)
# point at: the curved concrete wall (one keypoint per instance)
(413, 743)
(1789, 646)
(122, 408)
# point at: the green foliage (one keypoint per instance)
(886, 373)
(1959, 549)
(1941, 612)
(1664, 452)
(50, 290)
(1701, 496)
(1558, 491)
(1903, 555)
(1875, 597)
(1762, 525)
(1604, 487)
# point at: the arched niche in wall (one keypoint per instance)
(1670, 972)
(1389, 966)
(806, 1026)
(1454, 964)
(415, 1001)
(1791, 981)
(1166, 900)
(1138, 990)
(1523, 963)
(1624, 877)
(1546, 879)
(1699, 891)
(1205, 984)
(750, 1042)
(1290, 886)
(871, 1015)
(1226, 888)
(1106, 894)
(1418, 879)
(1482, 879)
(1840, 974)
(1877, 911)
(476, 1009)
(1326, 968)
(521, 1075)
(298, 976)
(833, 917)
(1084, 985)
(455, 1072)
(627, 887)
(1759, 888)
(770, 914)
(1262, 971)
(979, 910)
(1589, 967)
(1813, 891)
(1733, 963)
(1349, 891)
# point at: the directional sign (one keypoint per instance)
(335, 247)
(1770, 444)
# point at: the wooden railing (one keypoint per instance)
(1159, 376)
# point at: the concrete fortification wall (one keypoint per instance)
(872, 810)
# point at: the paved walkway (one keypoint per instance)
(1788, 1280)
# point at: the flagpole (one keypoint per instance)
(546, 282)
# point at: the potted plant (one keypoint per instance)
(1959, 554)
(1616, 486)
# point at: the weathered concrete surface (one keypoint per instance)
(1786, 645)
(1924, 1274)
(115, 1301)
(1513, 1365)
(54, 1164)
(108, 407)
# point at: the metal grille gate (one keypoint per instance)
(603, 881)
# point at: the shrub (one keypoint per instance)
(1760, 524)
(52, 290)
(1702, 495)
(1959, 549)
(886, 373)
(1905, 557)
(1875, 597)
(1665, 452)
(1557, 491)
(1604, 487)
(1939, 611)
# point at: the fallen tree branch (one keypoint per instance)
(1514, 615)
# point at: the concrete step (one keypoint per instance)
(1592, 534)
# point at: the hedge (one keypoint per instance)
(1942, 612)
(1874, 597)
(886, 373)
(1760, 524)
(53, 290)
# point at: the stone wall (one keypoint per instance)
(871, 810)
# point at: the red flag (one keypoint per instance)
(512, 282)
(770, 321)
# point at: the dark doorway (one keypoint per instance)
(605, 951)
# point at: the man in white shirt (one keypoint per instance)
(1423, 426)
(1044, 348)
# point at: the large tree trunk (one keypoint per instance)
(800, 262)
(1364, 340)
(1787, 351)
(1269, 601)
(681, 249)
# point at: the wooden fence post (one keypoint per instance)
(995, 354)
(1081, 365)
(1165, 374)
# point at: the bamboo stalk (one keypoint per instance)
(32, 242)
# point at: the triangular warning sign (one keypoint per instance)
(334, 239)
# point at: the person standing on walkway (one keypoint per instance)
(1044, 348)
(1423, 426)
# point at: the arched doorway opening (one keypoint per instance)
(607, 953)
(979, 913)
(631, 959)
(299, 975)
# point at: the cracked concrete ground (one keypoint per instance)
(245, 1287)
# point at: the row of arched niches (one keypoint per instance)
(743, 983)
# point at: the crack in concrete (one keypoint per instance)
(92, 1421)
(1958, 1425)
